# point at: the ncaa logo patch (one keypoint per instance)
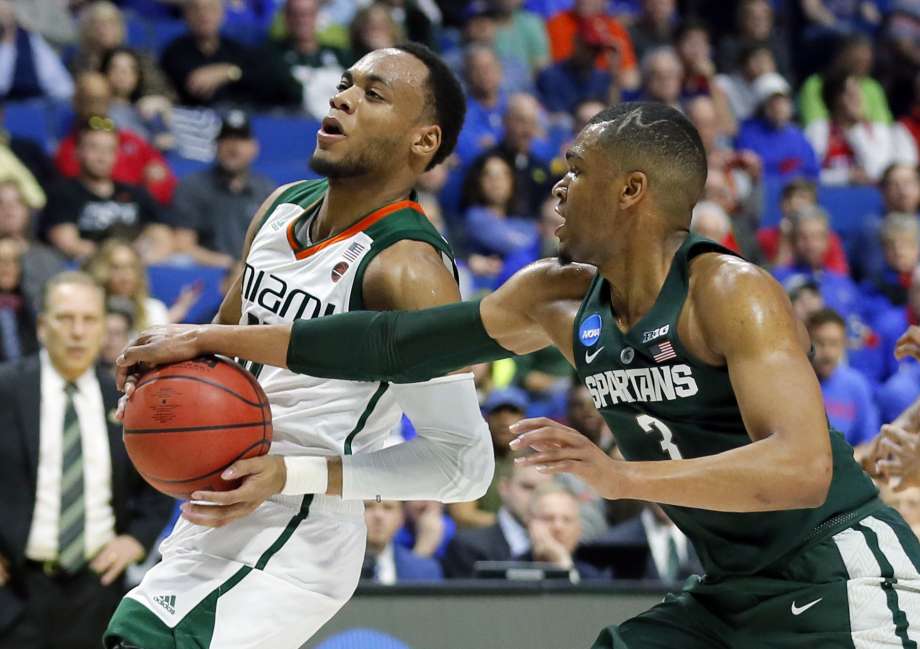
(590, 330)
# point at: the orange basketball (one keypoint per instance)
(187, 422)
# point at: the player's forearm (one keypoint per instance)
(394, 346)
(767, 475)
(451, 458)
(265, 344)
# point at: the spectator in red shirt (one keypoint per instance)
(138, 162)
(799, 195)
(563, 27)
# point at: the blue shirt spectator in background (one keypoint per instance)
(29, 67)
(810, 239)
(563, 85)
(781, 145)
(847, 394)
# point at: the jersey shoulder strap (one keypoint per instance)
(301, 194)
(408, 223)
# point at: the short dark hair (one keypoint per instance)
(832, 88)
(444, 98)
(659, 140)
(825, 316)
(691, 24)
(799, 185)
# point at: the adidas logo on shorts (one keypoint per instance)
(167, 601)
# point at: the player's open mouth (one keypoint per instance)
(330, 131)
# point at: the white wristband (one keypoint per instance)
(305, 475)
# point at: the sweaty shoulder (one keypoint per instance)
(731, 300)
(408, 275)
(549, 280)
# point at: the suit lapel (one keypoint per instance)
(28, 406)
(116, 445)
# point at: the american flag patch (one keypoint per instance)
(354, 251)
(663, 351)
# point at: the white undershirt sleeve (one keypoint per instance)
(451, 459)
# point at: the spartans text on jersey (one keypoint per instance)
(643, 384)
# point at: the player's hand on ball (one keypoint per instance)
(560, 449)
(263, 477)
(155, 346)
(897, 457)
(908, 344)
(115, 557)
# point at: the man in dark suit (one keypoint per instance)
(670, 556)
(76, 513)
(386, 562)
(505, 539)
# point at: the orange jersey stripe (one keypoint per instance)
(360, 226)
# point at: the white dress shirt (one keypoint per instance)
(658, 533)
(386, 566)
(97, 464)
(515, 533)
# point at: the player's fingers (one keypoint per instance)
(242, 468)
(889, 445)
(889, 468)
(534, 423)
(548, 435)
(903, 437)
(906, 349)
(553, 455)
(102, 561)
(215, 515)
(218, 497)
(122, 404)
(563, 466)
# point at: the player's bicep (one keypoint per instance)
(747, 319)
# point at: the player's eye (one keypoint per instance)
(373, 94)
(342, 86)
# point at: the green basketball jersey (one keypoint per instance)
(662, 403)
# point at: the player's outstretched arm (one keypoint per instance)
(745, 318)
(533, 309)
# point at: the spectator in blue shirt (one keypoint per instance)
(563, 85)
(891, 323)
(781, 145)
(847, 394)
(810, 237)
(491, 228)
(485, 103)
(900, 243)
(480, 28)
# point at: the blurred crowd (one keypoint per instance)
(153, 162)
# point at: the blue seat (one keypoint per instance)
(285, 137)
(166, 282)
(850, 207)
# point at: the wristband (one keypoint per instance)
(306, 474)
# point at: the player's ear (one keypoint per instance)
(427, 140)
(634, 189)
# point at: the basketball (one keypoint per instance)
(187, 422)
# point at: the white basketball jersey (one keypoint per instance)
(284, 280)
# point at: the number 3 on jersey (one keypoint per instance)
(652, 425)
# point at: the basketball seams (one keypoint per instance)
(214, 384)
(242, 454)
(195, 429)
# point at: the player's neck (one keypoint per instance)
(348, 200)
(637, 271)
